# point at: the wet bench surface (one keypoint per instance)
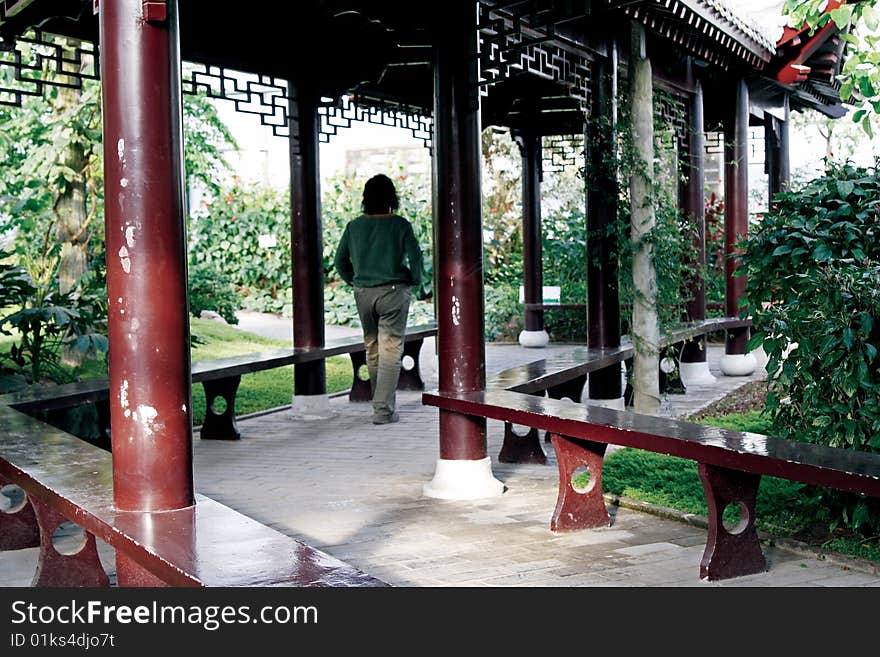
(730, 463)
(208, 544)
(564, 374)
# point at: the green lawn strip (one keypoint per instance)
(672, 482)
(259, 391)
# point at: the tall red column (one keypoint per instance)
(694, 367)
(310, 383)
(148, 313)
(463, 470)
(529, 142)
(603, 295)
(736, 226)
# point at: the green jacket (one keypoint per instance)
(379, 250)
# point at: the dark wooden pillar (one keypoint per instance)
(148, 314)
(310, 386)
(529, 142)
(736, 223)
(771, 156)
(776, 141)
(603, 305)
(694, 367)
(463, 469)
(784, 149)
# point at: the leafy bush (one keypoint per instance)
(814, 294)
(503, 313)
(43, 321)
(211, 289)
(244, 233)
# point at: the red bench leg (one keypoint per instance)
(220, 426)
(18, 527)
(411, 379)
(525, 448)
(361, 391)
(83, 568)
(579, 509)
(734, 552)
(573, 389)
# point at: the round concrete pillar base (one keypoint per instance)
(738, 364)
(463, 480)
(534, 338)
(311, 407)
(696, 374)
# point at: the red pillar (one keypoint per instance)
(529, 143)
(603, 303)
(694, 205)
(310, 385)
(459, 278)
(146, 259)
(736, 215)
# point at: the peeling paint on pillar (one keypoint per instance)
(458, 236)
(146, 265)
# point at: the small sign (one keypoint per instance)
(550, 294)
(267, 241)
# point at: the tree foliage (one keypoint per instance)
(860, 75)
(813, 268)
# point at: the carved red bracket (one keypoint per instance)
(155, 11)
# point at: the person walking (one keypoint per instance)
(379, 256)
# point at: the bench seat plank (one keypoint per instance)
(558, 368)
(208, 544)
(846, 470)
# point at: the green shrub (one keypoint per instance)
(503, 313)
(211, 289)
(814, 295)
(232, 235)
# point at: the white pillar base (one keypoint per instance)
(311, 407)
(761, 357)
(534, 338)
(738, 364)
(618, 404)
(696, 374)
(463, 480)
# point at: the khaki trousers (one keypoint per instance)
(383, 311)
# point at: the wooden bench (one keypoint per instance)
(730, 465)
(563, 375)
(221, 378)
(208, 544)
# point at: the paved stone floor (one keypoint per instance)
(354, 490)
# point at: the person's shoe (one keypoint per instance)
(386, 419)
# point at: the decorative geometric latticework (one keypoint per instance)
(39, 60)
(509, 47)
(714, 143)
(261, 95)
(375, 110)
(562, 151)
(757, 146)
(672, 111)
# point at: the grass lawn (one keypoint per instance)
(261, 390)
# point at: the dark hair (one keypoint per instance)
(379, 195)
